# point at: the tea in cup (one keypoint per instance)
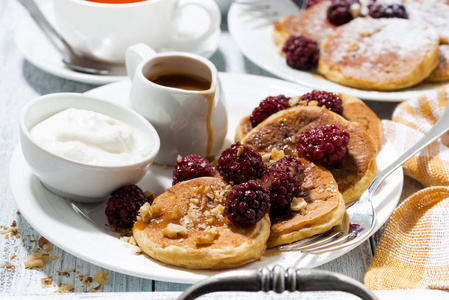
(104, 29)
(181, 95)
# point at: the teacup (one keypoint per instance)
(167, 90)
(105, 30)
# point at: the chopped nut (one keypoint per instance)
(365, 33)
(312, 103)
(355, 9)
(240, 150)
(46, 280)
(293, 101)
(172, 230)
(65, 288)
(42, 241)
(36, 260)
(298, 203)
(149, 212)
(101, 277)
(353, 46)
(217, 210)
(195, 201)
(176, 213)
(135, 250)
(207, 237)
(47, 247)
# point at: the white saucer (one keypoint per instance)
(54, 218)
(40, 51)
(254, 36)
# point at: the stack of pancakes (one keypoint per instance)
(377, 54)
(186, 227)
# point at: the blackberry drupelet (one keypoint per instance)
(377, 11)
(247, 203)
(330, 100)
(284, 179)
(301, 52)
(325, 145)
(192, 166)
(123, 206)
(267, 107)
(339, 12)
(240, 163)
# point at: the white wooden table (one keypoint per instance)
(20, 82)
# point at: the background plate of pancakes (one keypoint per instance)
(253, 34)
(54, 218)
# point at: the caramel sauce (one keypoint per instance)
(210, 134)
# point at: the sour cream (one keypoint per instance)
(92, 138)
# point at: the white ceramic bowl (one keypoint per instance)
(77, 180)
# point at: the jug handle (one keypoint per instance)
(135, 55)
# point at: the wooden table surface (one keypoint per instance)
(20, 82)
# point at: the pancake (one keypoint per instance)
(281, 130)
(311, 23)
(436, 14)
(323, 209)
(380, 54)
(441, 72)
(425, 1)
(354, 110)
(202, 238)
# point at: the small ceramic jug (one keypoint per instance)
(187, 121)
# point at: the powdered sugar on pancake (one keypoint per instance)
(436, 14)
(388, 46)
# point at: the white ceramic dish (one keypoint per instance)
(55, 219)
(78, 180)
(39, 50)
(254, 35)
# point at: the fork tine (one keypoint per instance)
(315, 241)
(330, 235)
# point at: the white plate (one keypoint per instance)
(254, 35)
(41, 52)
(54, 218)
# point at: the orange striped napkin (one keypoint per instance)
(414, 249)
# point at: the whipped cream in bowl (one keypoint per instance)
(83, 148)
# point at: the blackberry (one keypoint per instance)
(377, 11)
(324, 145)
(339, 12)
(301, 52)
(240, 163)
(284, 179)
(123, 206)
(313, 2)
(247, 203)
(192, 166)
(267, 107)
(330, 100)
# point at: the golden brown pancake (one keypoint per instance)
(281, 130)
(380, 54)
(323, 208)
(185, 227)
(441, 72)
(354, 110)
(311, 23)
(436, 14)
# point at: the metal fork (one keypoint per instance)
(71, 59)
(262, 8)
(361, 213)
